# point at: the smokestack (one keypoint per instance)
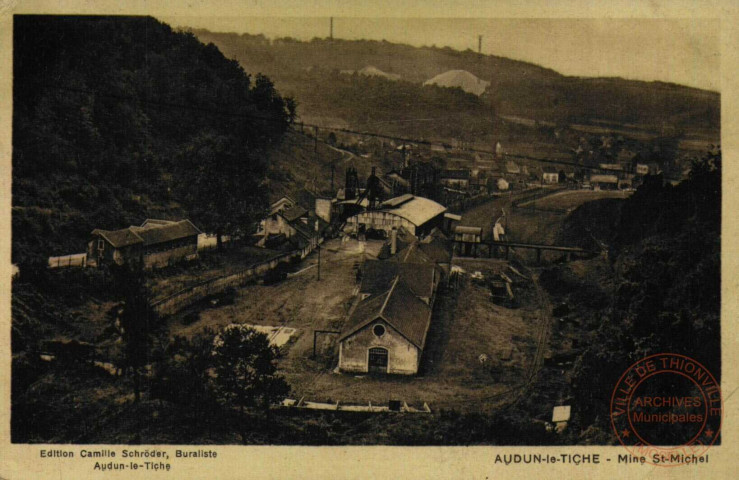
(393, 241)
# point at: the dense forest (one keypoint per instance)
(117, 119)
(311, 70)
(661, 291)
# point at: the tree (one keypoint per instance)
(245, 369)
(183, 376)
(136, 322)
(221, 183)
(332, 139)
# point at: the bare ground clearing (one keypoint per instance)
(465, 325)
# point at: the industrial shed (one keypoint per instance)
(386, 333)
(418, 215)
(386, 329)
(467, 240)
(155, 243)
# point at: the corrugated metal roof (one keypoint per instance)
(397, 201)
(468, 230)
(417, 210)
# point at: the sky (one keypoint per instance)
(684, 51)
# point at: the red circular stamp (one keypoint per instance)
(666, 410)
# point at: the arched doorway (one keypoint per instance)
(377, 360)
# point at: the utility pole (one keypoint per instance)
(318, 246)
(333, 167)
(479, 44)
(331, 29)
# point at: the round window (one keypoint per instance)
(378, 330)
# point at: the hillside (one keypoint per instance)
(658, 290)
(307, 71)
(109, 130)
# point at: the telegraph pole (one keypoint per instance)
(331, 29)
(479, 44)
(333, 167)
(318, 246)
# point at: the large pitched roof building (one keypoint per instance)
(418, 215)
(386, 329)
(155, 243)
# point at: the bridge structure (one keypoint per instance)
(503, 248)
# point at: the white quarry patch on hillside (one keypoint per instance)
(460, 78)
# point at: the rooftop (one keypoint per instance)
(417, 210)
(378, 274)
(459, 174)
(151, 232)
(399, 307)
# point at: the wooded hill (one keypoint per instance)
(117, 119)
(311, 72)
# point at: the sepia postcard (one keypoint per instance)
(313, 240)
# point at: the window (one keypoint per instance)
(378, 330)
(101, 244)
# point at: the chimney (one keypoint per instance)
(393, 241)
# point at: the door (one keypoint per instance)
(377, 360)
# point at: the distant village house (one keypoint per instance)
(457, 179)
(550, 175)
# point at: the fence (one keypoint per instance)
(73, 260)
(185, 297)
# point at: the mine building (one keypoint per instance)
(295, 220)
(386, 333)
(386, 329)
(456, 178)
(418, 215)
(467, 240)
(549, 175)
(156, 243)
